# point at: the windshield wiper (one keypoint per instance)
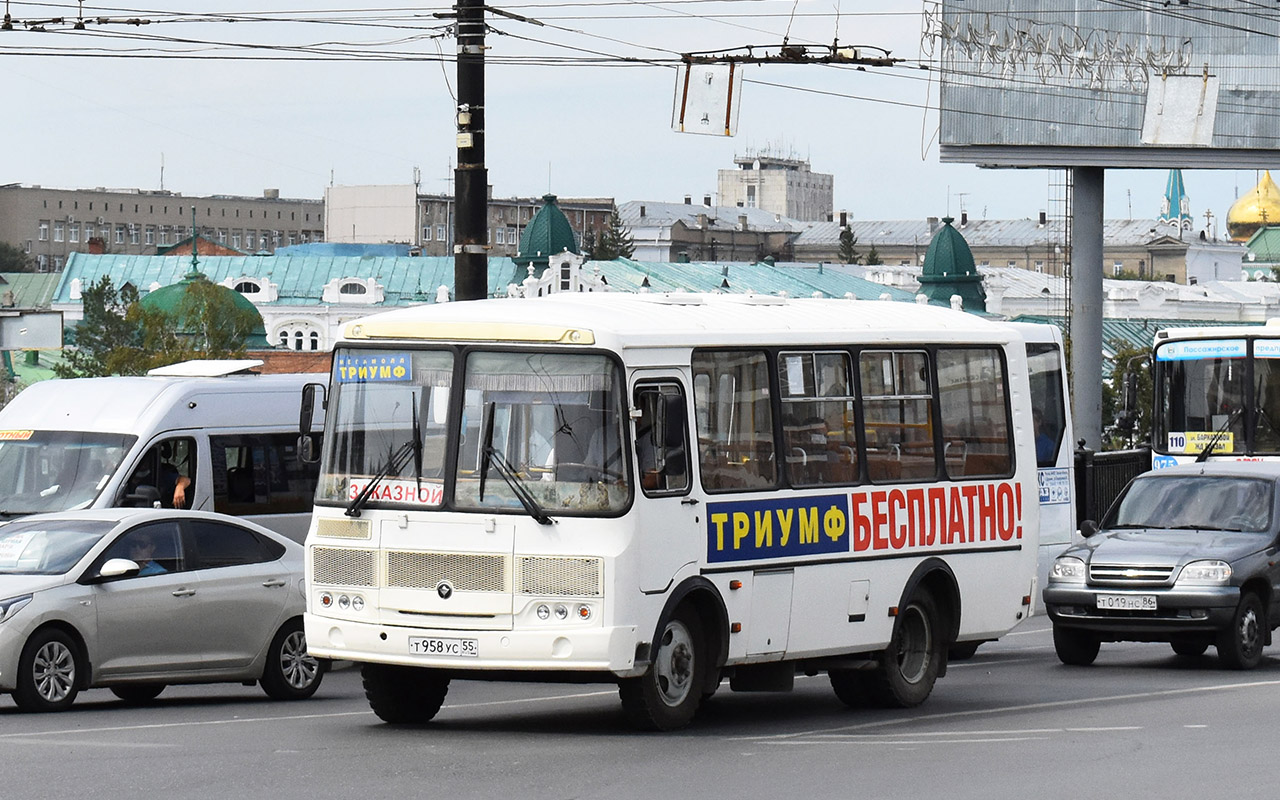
(1231, 418)
(395, 462)
(489, 456)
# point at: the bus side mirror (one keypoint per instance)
(308, 407)
(308, 450)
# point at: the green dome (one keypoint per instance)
(547, 233)
(169, 300)
(949, 270)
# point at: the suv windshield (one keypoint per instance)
(47, 548)
(1200, 502)
(56, 470)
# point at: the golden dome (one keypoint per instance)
(1258, 207)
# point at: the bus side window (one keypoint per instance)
(1044, 366)
(735, 420)
(662, 452)
(974, 410)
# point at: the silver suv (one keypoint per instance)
(1186, 555)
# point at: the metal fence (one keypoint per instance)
(1101, 476)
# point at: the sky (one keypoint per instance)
(239, 100)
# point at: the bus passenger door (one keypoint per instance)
(667, 512)
(1055, 455)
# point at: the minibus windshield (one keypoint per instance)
(56, 470)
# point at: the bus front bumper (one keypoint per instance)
(579, 650)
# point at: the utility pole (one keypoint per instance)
(471, 178)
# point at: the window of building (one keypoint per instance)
(511, 235)
(149, 235)
(164, 234)
(439, 233)
(235, 240)
(59, 232)
(133, 234)
(1039, 266)
(1117, 268)
(502, 236)
(43, 231)
(315, 340)
(119, 234)
(248, 287)
(352, 287)
(1013, 263)
(426, 233)
(73, 232)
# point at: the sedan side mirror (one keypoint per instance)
(1088, 528)
(117, 567)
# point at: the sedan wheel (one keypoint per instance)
(49, 672)
(291, 673)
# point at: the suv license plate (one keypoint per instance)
(431, 646)
(1127, 602)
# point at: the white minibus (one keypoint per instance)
(204, 435)
(665, 491)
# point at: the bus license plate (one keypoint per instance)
(1127, 602)
(431, 646)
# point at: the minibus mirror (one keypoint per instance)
(143, 496)
(308, 452)
(306, 412)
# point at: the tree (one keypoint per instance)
(106, 342)
(1130, 415)
(615, 240)
(13, 259)
(211, 321)
(873, 257)
(589, 245)
(848, 254)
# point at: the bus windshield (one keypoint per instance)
(555, 429)
(56, 470)
(1204, 396)
(554, 435)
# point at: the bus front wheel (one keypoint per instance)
(403, 695)
(668, 694)
(909, 665)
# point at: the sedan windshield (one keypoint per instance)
(56, 470)
(48, 547)
(1199, 502)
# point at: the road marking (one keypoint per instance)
(925, 718)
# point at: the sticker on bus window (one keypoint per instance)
(382, 367)
(1197, 441)
(391, 490)
(15, 436)
(1055, 486)
(1208, 348)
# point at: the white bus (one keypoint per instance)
(1217, 389)
(663, 491)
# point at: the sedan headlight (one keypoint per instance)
(1204, 573)
(12, 606)
(1067, 569)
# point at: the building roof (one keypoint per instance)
(949, 269)
(1254, 209)
(724, 218)
(30, 289)
(984, 233)
(548, 233)
(795, 280)
(170, 300)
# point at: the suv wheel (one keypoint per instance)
(1240, 644)
(1074, 647)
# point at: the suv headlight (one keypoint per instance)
(1067, 569)
(1204, 573)
(12, 606)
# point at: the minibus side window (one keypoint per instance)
(662, 439)
(735, 420)
(818, 425)
(260, 474)
(167, 474)
(975, 426)
(897, 406)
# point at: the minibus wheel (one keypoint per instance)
(403, 695)
(909, 665)
(667, 695)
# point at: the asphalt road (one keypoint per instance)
(1011, 722)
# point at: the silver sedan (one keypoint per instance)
(137, 599)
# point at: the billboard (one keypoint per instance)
(1025, 83)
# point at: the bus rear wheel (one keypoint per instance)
(403, 695)
(909, 665)
(667, 695)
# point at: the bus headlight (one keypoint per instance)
(1204, 573)
(544, 612)
(1067, 569)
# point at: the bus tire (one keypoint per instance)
(909, 665)
(668, 694)
(850, 686)
(1077, 648)
(403, 695)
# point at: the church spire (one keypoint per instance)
(1175, 210)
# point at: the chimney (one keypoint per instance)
(933, 224)
(688, 201)
(706, 200)
(844, 219)
(641, 211)
(742, 222)
(271, 194)
(702, 220)
(964, 218)
(1043, 218)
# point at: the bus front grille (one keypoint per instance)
(342, 528)
(467, 572)
(343, 566)
(561, 577)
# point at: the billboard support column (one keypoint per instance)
(1086, 304)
